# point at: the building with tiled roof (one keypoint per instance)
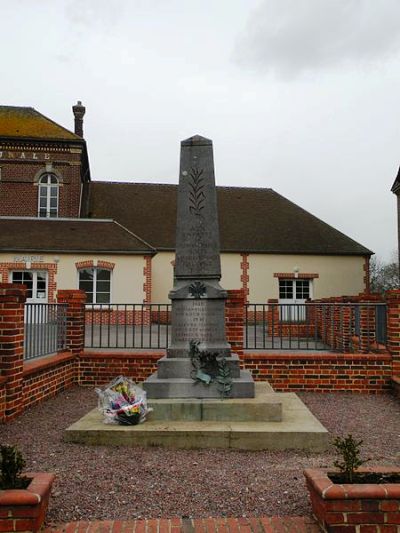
(118, 239)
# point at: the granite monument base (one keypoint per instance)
(242, 387)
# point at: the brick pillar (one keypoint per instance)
(345, 336)
(244, 277)
(147, 287)
(12, 301)
(393, 328)
(272, 324)
(234, 319)
(367, 322)
(75, 300)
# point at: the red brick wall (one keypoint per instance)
(355, 508)
(96, 368)
(18, 190)
(245, 276)
(12, 300)
(2, 398)
(46, 377)
(147, 273)
(75, 299)
(369, 373)
(290, 372)
(234, 319)
(121, 316)
(393, 328)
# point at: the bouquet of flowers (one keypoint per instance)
(123, 402)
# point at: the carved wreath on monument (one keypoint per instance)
(209, 367)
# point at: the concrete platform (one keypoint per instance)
(264, 407)
(299, 429)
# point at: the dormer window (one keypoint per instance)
(48, 196)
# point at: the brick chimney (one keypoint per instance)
(79, 112)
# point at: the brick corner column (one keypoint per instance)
(12, 301)
(75, 336)
(234, 319)
(393, 328)
(147, 289)
(368, 321)
(272, 317)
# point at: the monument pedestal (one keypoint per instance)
(242, 387)
(173, 380)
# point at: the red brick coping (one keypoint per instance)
(279, 524)
(342, 507)
(25, 509)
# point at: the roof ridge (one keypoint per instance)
(110, 182)
(17, 107)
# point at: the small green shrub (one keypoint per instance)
(11, 465)
(350, 452)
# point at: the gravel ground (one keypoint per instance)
(97, 482)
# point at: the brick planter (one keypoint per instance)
(25, 509)
(354, 508)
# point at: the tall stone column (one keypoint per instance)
(198, 300)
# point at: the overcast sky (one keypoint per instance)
(298, 95)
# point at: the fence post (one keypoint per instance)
(272, 324)
(368, 322)
(75, 335)
(12, 301)
(345, 335)
(393, 328)
(234, 319)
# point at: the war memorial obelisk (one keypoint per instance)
(198, 300)
(187, 412)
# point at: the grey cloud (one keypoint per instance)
(292, 36)
(94, 12)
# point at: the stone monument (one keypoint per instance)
(198, 300)
(188, 412)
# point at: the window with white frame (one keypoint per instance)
(294, 289)
(48, 196)
(36, 284)
(96, 282)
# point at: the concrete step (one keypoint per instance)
(299, 429)
(264, 407)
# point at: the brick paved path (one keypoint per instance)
(280, 524)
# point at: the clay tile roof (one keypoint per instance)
(68, 235)
(26, 122)
(251, 219)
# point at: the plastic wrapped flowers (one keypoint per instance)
(123, 402)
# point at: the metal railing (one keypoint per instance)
(315, 326)
(45, 328)
(127, 326)
(311, 326)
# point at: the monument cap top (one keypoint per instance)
(196, 140)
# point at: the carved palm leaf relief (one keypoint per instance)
(196, 191)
